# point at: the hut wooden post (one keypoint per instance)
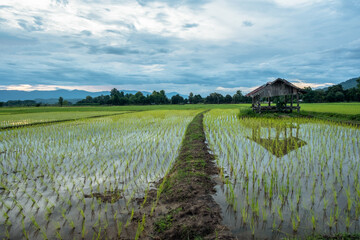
(297, 99)
(291, 104)
(252, 103)
(269, 101)
(259, 104)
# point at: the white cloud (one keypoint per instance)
(296, 3)
(302, 84)
(233, 90)
(230, 43)
(153, 68)
(42, 87)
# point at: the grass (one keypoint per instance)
(339, 108)
(21, 116)
(349, 114)
(188, 184)
(338, 112)
(189, 164)
(165, 222)
(22, 110)
(352, 108)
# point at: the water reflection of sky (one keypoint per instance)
(318, 160)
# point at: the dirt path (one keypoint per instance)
(185, 208)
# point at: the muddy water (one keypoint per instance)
(312, 169)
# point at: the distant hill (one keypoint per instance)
(351, 83)
(51, 97)
(43, 96)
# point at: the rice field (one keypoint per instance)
(7, 120)
(80, 179)
(340, 108)
(285, 177)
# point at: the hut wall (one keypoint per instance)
(277, 89)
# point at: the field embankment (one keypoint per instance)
(351, 119)
(335, 117)
(185, 208)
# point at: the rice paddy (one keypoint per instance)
(279, 177)
(285, 177)
(80, 179)
(31, 118)
(338, 108)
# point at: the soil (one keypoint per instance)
(186, 209)
(108, 196)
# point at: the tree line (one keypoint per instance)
(155, 98)
(334, 93)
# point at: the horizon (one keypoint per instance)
(178, 46)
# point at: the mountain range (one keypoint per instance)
(351, 83)
(51, 97)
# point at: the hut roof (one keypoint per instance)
(268, 89)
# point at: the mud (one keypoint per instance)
(107, 196)
(186, 209)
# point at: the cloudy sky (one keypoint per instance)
(177, 45)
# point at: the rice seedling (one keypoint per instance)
(119, 228)
(287, 165)
(313, 221)
(112, 159)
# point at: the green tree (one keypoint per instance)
(215, 98)
(228, 99)
(198, 99)
(335, 94)
(61, 101)
(177, 99)
(191, 98)
(238, 97)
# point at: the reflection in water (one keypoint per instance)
(278, 140)
(284, 178)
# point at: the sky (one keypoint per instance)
(198, 46)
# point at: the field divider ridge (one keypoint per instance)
(182, 206)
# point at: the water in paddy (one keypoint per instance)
(286, 178)
(50, 176)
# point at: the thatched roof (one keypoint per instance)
(279, 87)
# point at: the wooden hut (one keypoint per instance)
(279, 87)
(280, 140)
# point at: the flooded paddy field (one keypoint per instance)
(23, 119)
(285, 177)
(80, 179)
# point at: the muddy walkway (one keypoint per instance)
(185, 208)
